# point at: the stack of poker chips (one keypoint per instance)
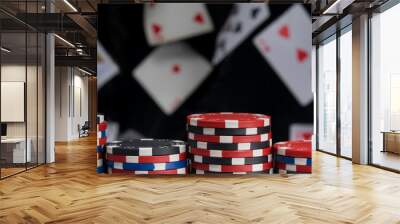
(101, 141)
(233, 143)
(293, 157)
(147, 156)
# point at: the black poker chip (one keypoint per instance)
(229, 146)
(231, 161)
(228, 131)
(146, 147)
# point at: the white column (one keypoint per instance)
(50, 99)
(50, 92)
(360, 90)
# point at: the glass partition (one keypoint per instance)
(14, 153)
(22, 76)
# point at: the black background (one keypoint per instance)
(242, 82)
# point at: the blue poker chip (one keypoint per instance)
(293, 160)
(101, 169)
(147, 166)
(100, 148)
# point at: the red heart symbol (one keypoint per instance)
(176, 69)
(198, 18)
(156, 28)
(284, 31)
(302, 55)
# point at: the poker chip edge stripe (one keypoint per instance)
(289, 167)
(232, 168)
(147, 166)
(230, 153)
(147, 159)
(200, 120)
(293, 160)
(228, 131)
(115, 150)
(228, 146)
(232, 161)
(229, 138)
(180, 171)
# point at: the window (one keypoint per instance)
(385, 89)
(327, 95)
(346, 92)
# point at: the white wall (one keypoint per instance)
(33, 126)
(62, 81)
(71, 93)
(15, 72)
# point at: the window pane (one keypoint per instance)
(346, 94)
(327, 96)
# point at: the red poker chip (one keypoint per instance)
(155, 172)
(230, 153)
(298, 148)
(229, 139)
(102, 141)
(232, 168)
(147, 159)
(102, 126)
(99, 155)
(229, 120)
(293, 168)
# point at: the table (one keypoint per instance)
(15, 148)
(391, 141)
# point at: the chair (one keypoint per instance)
(84, 130)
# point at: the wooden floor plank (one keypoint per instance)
(69, 191)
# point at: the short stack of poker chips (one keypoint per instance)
(293, 157)
(233, 143)
(101, 141)
(147, 156)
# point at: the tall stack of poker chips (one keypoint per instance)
(101, 141)
(147, 156)
(233, 143)
(293, 157)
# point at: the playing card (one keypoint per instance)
(243, 20)
(168, 22)
(171, 73)
(106, 67)
(301, 131)
(286, 45)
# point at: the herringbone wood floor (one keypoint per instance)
(70, 191)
